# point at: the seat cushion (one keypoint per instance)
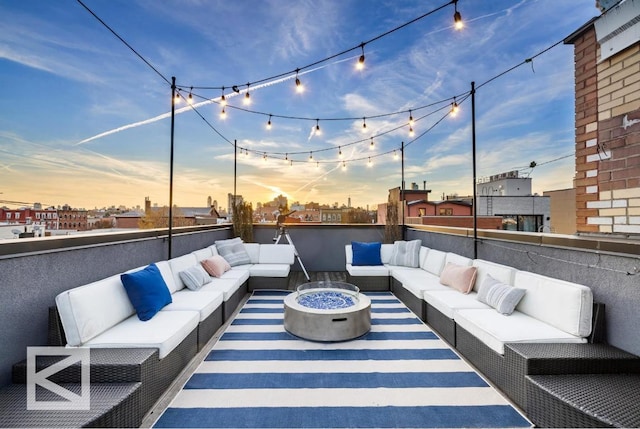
(495, 329)
(164, 332)
(276, 254)
(369, 270)
(417, 280)
(227, 286)
(270, 270)
(449, 301)
(204, 303)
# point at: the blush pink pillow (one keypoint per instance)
(216, 266)
(458, 277)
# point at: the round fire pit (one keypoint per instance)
(327, 311)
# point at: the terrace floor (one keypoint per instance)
(296, 279)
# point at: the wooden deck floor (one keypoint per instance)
(296, 278)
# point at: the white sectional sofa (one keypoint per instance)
(551, 310)
(101, 315)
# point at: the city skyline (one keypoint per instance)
(85, 121)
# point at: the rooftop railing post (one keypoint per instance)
(235, 177)
(473, 150)
(402, 189)
(173, 116)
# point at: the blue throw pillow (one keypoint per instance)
(147, 291)
(366, 253)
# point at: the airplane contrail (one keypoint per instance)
(201, 103)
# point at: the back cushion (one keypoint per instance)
(423, 256)
(502, 273)
(203, 254)
(214, 250)
(89, 310)
(348, 253)
(434, 262)
(454, 258)
(253, 249)
(386, 250)
(564, 305)
(178, 264)
(276, 254)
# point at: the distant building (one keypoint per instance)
(563, 210)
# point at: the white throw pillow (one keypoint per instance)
(500, 296)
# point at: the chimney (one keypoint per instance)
(147, 205)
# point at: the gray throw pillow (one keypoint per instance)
(502, 297)
(194, 277)
(233, 251)
(406, 253)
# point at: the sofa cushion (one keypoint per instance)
(202, 254)
(216, 266)
(434, 262)
(406, 253)
(204, 303)
(233, 251)
(366, 253)
(253, 250)
(276, 254)
(164, 332)
(449, 301)
(502, 273)
(147, 291)
(368, 270)
(270, 270)
(454, 258)
(565, 305)
(194, 277)
(227, 286)
(179, 264)
(89, 310)
(458, 277)
(500, 296)
(417, 280)
(495, 329)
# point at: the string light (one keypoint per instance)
(411, 132)
(299, 86)
(411, 121)
(223, 114)
(223, 100)
(370, 164)
(344, 165)
(318, 132)
(360, 63)
(454, 108)
(177, 99)
(457, 18)
(269, 123)
(364, 125)
(395, 155)
(286, 158)
(264, 157)
(339, 152)
(371, 146)
(247, 97)
(310, 156)
(318, 164)
(190, 99)
(291, 163)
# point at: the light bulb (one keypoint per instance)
(223, 101)
(454, 109)
(395, 155)
(286, 158)
(269, 123)
(318, 132)
(370, 164)
(190, 99)
(310, 156)
(360, 63)
(339, 152)
(177, 98)
(371, 146)
(411, 132)
(264, 157)
(364, 125)
(223, 114)
(247, 98)
(344, 165)
(457, 21)
(411, 121)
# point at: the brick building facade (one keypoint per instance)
(607, 81)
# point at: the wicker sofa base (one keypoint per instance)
(370, 283)
(414, 303)
(255, 283)
(230, 305)
(584, 400)
(444, 326)
(112, 405)
(209, 326)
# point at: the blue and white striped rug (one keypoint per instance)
(398, 375)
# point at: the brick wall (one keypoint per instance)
(607, 138)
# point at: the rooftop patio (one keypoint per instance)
(35, 271)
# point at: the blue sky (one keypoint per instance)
(66, 79)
